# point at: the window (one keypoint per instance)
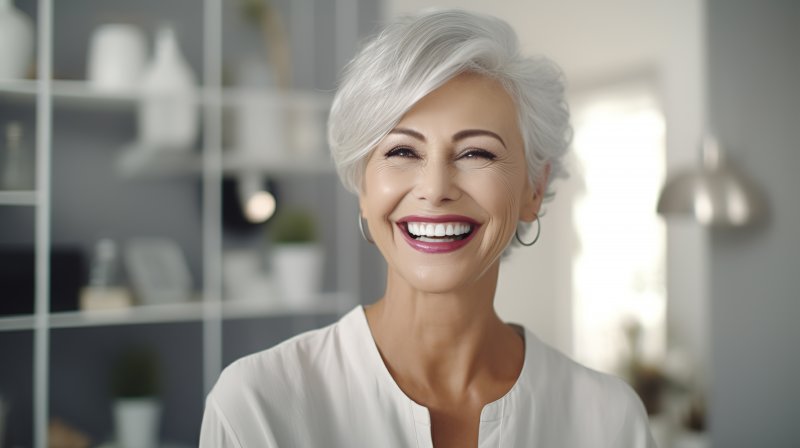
(619, 264)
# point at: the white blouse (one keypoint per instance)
(330, 388)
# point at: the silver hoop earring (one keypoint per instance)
(535, 239)
(361, 229)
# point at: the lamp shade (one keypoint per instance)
(714, 193)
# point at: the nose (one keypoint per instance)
(436, 183)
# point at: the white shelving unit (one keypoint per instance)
(17, 198)
(209, 164)
(193, 311)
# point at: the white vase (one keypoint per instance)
(168, 114)
(298, 272)
(16, 41)
(117, 55)
(260, 119)
(136, 422)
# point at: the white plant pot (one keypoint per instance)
(298, 272)
(16, 41)
(137, 421)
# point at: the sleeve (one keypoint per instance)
(215, 431)
(237, 413)
(634, 431)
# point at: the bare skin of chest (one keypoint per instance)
(452, 428)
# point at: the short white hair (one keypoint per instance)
(414, 56)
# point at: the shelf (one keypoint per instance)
(81, 94)
(138, 161)
(330, 303)
(17, 198)
(70, 93)
(16, 323)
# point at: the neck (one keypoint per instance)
(444, 343)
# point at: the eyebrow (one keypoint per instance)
(466, 133)
(460, 135)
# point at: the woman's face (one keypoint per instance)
(443, 192)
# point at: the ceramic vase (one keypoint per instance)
(117, 55)
(137, 421)
(307, 130)
(298, 272)
(260, 119)
(168, 117)
(16, 42)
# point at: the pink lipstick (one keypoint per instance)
(437, 234)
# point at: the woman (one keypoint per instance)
(450, 139)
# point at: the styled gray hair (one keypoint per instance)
(414, 56)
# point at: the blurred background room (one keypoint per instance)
(168, 205)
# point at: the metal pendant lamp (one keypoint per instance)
(714, 193)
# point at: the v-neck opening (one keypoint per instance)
(491, 412)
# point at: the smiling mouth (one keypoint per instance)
(441, 232)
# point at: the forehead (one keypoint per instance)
(467, 100)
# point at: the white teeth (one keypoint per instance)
(421, 229)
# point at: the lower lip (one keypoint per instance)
(437, 248)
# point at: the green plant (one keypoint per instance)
(135, 374)
(292, 227)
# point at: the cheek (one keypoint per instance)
(499, 191)
(499, 194)
(384, 187)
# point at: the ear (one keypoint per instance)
(533, 196)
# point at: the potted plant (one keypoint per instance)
(297, 258)
(137, 407)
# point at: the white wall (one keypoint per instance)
(597, 43)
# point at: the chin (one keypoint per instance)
(440, 279)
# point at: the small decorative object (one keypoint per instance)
(16, 42)
(694, 433)
(62, 435)
(168, 117)
(647, 379)
(117, 55)
(260, 119)
(297, 258)
(271, 24)
(244, 278)
(262, 124)
(308, 129)
(18, 165)
(104, 291)
(137, 407)
(158, 271)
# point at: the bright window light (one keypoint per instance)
(619, 266)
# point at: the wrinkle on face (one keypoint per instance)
(440, 130)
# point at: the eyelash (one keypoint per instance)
(401, 151)
(482, 153)
(406, 152)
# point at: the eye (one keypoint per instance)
(477, 154)
(402, 151)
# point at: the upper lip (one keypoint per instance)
(438, 218)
